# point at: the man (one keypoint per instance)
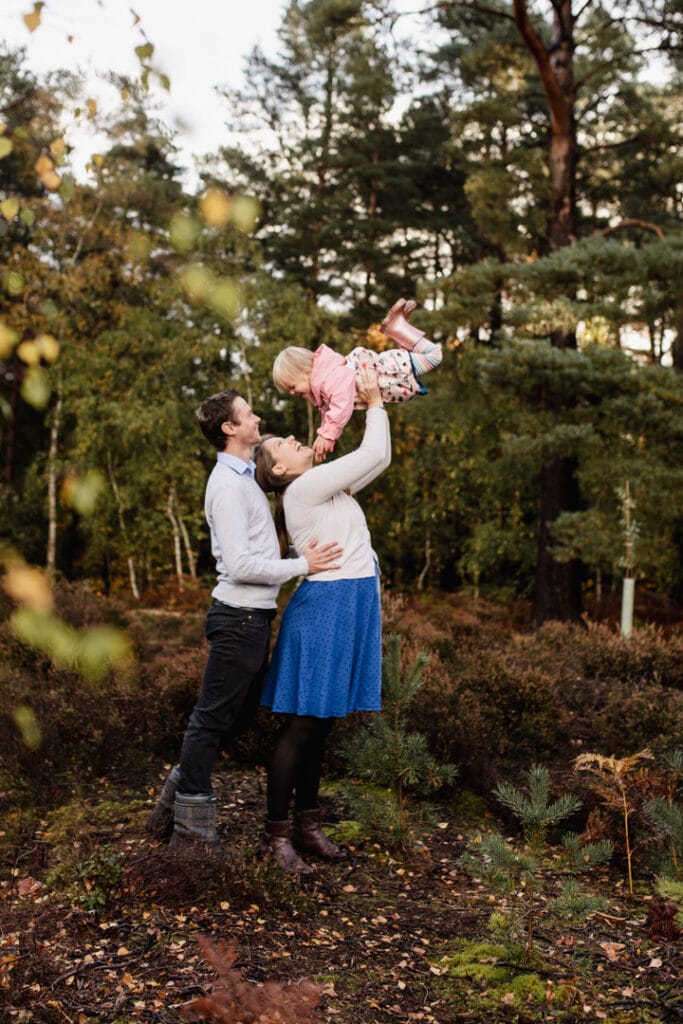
(250, 572)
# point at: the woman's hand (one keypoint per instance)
(367, 388)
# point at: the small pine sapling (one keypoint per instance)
(537, 815)
(666, 813)
(578, 859)
(388, 756)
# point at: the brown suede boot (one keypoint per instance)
(310, 838)
(277, 840)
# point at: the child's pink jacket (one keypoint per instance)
(333, 390)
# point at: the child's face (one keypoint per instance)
(299, 387)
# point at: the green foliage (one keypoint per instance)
(581, 857)
(154, 296)
(672, 889)
(667, 818)
(503, 865)
(573, 904)
(388, 756)
(98, 876)
(534, 810)
(666, 814)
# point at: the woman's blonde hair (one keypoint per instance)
(291, 363)
(272, 483)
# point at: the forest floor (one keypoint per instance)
(100, 924)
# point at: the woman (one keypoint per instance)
(327, 660)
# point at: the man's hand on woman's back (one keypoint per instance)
(322, 557)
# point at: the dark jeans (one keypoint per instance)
(230, 692)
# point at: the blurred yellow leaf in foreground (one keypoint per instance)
(215, 207)
(32, 19)
(9, 208)
(28, 586)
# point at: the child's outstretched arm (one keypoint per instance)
(322, 447)
(338, 393)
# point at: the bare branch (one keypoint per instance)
(606, 146)
(633, 222)
(581, 10)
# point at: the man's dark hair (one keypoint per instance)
(212, 413)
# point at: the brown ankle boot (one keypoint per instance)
(277, 840)
(310, 838)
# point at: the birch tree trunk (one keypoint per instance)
(51, 559)
(130, 561)
(175, 530)
(190, 553)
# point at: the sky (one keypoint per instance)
(199, 44)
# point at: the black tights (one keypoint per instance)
(296, 765)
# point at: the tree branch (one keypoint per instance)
(581, 10)
(559, 110)
(632, 222)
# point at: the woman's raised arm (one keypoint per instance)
(351, 471)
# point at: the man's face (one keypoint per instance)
(243, 428)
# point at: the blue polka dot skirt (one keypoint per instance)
(327, 660)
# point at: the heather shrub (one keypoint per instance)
(490, 711)
(79, 605)
(494, 703)
(86, 729)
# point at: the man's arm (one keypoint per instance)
(244, 565)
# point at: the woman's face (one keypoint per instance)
(289, 457)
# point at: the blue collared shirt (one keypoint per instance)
(237, 464)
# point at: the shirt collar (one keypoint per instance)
(241, 467)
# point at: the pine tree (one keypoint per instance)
(504, 865)
(389, 757)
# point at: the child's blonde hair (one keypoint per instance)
(291, 363)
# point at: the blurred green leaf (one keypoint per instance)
(35, 387)
(26, 722)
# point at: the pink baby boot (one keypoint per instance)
(395, 325)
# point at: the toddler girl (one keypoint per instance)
(328, 380)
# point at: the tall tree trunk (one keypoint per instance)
(51, 559)
(677, 345)
(175, 530)
(130, 561)
(558, 584)
(190, 553)
(17, 373)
